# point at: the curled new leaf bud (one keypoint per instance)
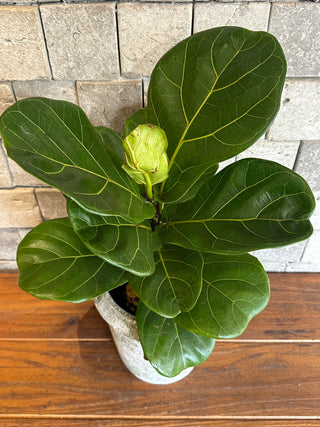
(146, 158)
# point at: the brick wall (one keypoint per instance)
(100, 55)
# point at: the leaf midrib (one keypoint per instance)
(181, 141)
(72, 165)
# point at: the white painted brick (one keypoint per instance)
(284, 254)
(312, 252)
(308, 165)
(23, 178)
(9, 241)
(62, 90)
(110, 103)
(299, 115)
(235, 1)
(23, 232)
(226, 163)
(81, 40)
(302, 267)
(5, 178)
(6, 97)
(51, 202)
(274, 267)
(284, 152)
(22, 48)
(315, 219)
(146, 82)
(159, 1)
(253, 16)
(297, 27)
(28, 2)
(147, 31)
(18, 208)
(8, 266)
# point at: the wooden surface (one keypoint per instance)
(59, 367)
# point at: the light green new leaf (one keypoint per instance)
(175, 285)
(54, 264)
(214, 94)
(138, 118)
(169, 348)
(121, 243)
(251, 204)
(55, 141)
(235, 289)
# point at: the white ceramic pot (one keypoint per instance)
(124, 331)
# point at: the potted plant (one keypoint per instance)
(149, 208)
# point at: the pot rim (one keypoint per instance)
(115, 316)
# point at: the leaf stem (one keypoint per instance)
(148, 185)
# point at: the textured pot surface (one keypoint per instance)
(124, 330)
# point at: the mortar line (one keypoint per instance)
(192, 17)
(142, 92)
(296, 160)
(77, 92)
(2, 148)
(118, 38)
(45, 41)
(38, 204)
(13, 91)
(269, 17)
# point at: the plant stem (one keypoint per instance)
(148, 186)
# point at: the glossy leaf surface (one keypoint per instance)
(251, 204)
(55, 141)
(169, 348)
(54, 264)
(214, 94)
(235, 289)
(121, 243)
(176, 283)
(112, 141)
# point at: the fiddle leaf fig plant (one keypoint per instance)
(149, 208)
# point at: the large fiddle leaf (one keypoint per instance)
(54, 264)
(251, 204)
(55, 141)
(169, 348)
(112, 141)
(176, 283)
(235, 289)
(214, 94)
(120, 242)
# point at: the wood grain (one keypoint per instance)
(130, 422)
(292, 313)
(24, 316)
(59, 366)
(88, 378)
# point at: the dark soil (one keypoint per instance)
(126, 298)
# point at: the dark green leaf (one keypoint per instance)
(235, 288)
(169, 348)
(176, 283)
(192, 191)
(121, 243)
(214, 94)
(251, 204)
(54, 264)
(138, 118)
(112, 140)
(55, 141)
